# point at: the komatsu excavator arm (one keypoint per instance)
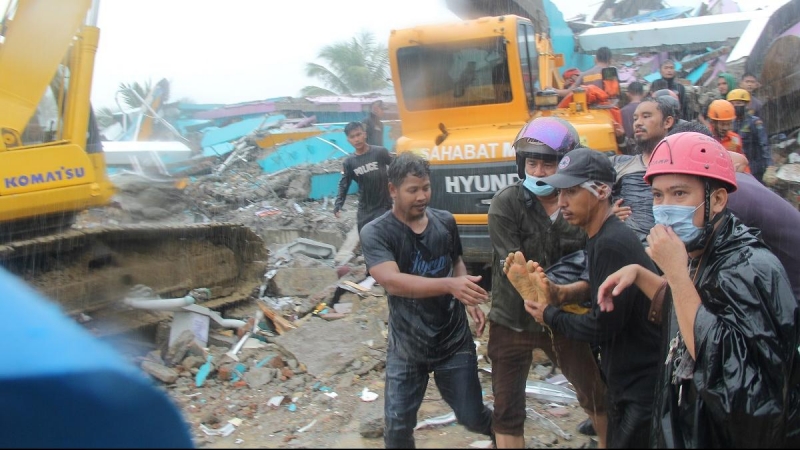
(37, 34)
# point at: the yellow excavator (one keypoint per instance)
(52, 167)
(465, 89)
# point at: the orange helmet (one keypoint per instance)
(721, 110)
(738, 94)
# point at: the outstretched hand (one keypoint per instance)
(614, 285)
(466, 290)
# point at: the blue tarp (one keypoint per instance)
(694, 76)
(236, 130)
(184, 126)
(313, 150)
(654, 16)
(327, 185)
(218, 150)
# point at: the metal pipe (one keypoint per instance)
(160, 304)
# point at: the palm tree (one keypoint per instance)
(358, 65)
(105, 117)
(127, 91)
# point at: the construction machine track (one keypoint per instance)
(92, 270)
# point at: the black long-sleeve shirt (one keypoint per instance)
(629, 343)
(369, 171)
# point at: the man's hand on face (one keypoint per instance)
(667, 250)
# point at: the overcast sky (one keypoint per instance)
(232, 51)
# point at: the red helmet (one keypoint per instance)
(692, 154)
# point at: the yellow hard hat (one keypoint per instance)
(738, 94)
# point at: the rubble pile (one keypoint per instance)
(242, 193)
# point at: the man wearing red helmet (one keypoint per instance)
(732, 372)
(525, 217)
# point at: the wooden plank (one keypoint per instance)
(281, 325)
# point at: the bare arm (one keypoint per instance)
(566, 294)
(462, 287)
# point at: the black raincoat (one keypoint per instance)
(744, 388)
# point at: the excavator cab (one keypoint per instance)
(51, 160)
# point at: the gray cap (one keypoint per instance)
(581, 165)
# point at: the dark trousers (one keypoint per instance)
(629, 424)
(511, 353)
(457, 380)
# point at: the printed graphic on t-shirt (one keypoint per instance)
(431, 268)
(366, 168)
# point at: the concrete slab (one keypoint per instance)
(302, 282)
(328, 347)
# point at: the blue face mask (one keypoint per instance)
(679, 218)
(540, 190)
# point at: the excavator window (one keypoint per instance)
(42, 127)
(466, 73)
(529, 59)
(46, 123)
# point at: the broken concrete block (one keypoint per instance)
(160, 372)
(302, 282)
(371, 426)
(220, 340)
(259, 376)
(193, 362)
(328, 347)
(178, 349)
(343, 308)
(311, 248)
(558, 412)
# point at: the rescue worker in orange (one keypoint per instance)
(721, 115)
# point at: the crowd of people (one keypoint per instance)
(663, 282)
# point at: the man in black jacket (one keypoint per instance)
(628, 342)
(667, 71)
(730, 376)
(524, 217)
